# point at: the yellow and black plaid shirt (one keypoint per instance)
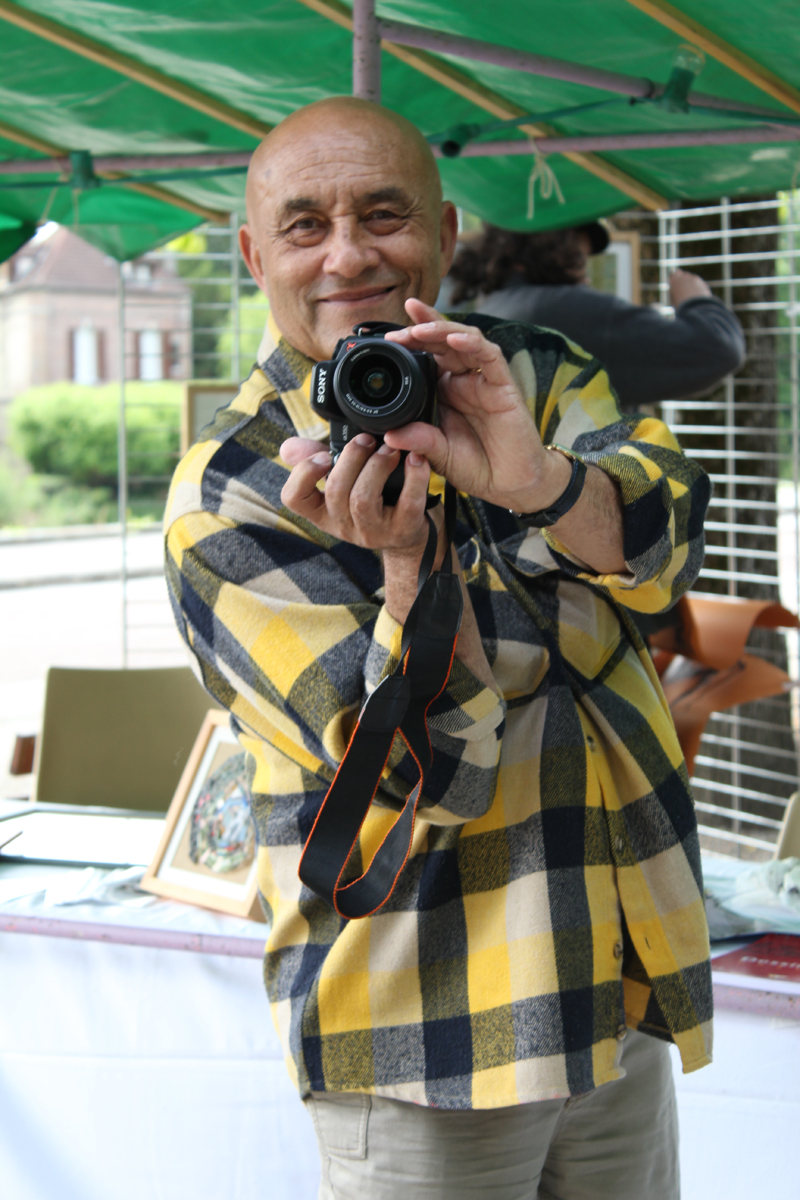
(553, 894)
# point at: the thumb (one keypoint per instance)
(424, 439)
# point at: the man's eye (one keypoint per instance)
(385, 219)
(305, 231)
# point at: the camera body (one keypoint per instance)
(371, 386)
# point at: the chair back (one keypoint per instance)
(789, 837)
(117, 738)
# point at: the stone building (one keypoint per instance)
(59, 317)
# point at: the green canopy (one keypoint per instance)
(148, 78)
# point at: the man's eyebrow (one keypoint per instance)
(296, 205)
(390, 195)
(384, 195)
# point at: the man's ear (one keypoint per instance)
(447, 235)
(252, 256)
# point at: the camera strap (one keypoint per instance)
(399, 704)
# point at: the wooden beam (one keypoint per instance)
(12, 134)
(78, 43)
(451, 77)
(692, 31)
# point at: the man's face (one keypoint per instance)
(346, 227)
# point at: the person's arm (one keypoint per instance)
(289, 632)
(662, 495)
(649, 357)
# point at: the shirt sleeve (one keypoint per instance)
(289, 633)
(648, 356)
(664, 494)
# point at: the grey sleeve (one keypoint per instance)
(648, 357)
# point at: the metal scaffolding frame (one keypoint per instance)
(748, 765)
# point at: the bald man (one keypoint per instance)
(499, 1027)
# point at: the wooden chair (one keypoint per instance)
(789, 837)
(117, 738)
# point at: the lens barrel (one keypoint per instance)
(379, 385)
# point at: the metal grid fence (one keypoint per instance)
(746, 435)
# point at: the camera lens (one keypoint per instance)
(379, 385)
(376, 380)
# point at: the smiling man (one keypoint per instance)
(499, 1027)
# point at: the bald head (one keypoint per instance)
(345, 221)
(340, 120)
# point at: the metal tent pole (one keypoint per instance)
(235, 332)
(421, 37)
(556, 144)
(601, 143)
(366, 52)
(730, 490)
(122, 466)
(793, 639)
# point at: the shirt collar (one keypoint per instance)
(289, 372)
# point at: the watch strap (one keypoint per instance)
(569, 497)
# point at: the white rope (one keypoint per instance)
(543, 174)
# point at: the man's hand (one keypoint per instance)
(351, 507)
(684, 285)
(487, 443)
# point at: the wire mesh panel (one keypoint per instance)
(188, 312)
(745, 435)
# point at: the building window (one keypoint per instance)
(85, 355)
(151, 355)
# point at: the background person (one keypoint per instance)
(541, 278)
(550, 918)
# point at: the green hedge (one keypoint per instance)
(70, 430)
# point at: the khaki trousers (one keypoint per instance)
(619, 1142)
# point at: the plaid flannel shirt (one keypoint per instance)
(553, 894)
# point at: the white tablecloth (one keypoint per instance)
(141, 1074)
(129, 1073)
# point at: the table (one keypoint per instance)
(153, 1071)
(130, 1072)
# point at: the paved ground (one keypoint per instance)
(73, 624)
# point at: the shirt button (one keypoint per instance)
(590, 742)
(621, 1033)
(618, 950)
(618, 842)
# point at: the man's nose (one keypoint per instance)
(350, 251)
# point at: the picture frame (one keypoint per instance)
(618, 268)
(207, 853)
(201, 400)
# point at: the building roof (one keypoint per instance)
(63, 261)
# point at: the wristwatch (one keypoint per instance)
(570, 495)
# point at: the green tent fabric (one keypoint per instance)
(263, 60)
(13, 234)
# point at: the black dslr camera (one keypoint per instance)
(372, 386)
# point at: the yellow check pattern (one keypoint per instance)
(553, 894)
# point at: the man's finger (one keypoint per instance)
(419, 312)
(346, 477)
(366, 496)
(423, 439)
(295, 449)
(300, 493)
(411, 502)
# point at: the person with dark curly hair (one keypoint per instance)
(541, 279)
